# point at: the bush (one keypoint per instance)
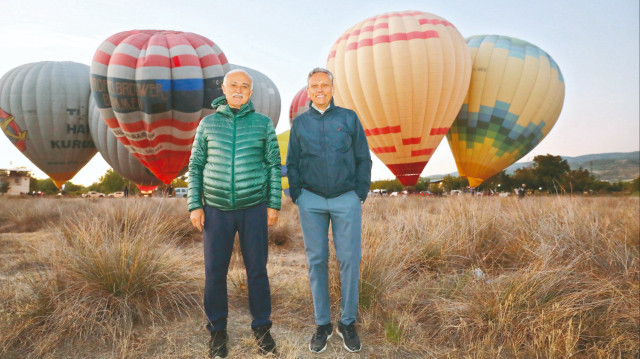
(110, 269)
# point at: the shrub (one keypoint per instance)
(111, 269)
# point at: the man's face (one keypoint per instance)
(237, 89)
(320, 90)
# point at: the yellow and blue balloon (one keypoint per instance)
(515, 98)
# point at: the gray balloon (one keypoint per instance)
(265, 98)
(44, 112)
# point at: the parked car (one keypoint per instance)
(394, 194)
(92, 194)
(118, 194)
(378, 192)
(181, 192)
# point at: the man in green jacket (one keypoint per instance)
(234, 186)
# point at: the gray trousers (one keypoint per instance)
(345, 215)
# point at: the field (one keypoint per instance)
(460, 277)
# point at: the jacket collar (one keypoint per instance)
(331, 106)
(220, 105)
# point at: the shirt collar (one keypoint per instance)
(321, 111)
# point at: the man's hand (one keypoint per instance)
(272, 216)
(197, 218)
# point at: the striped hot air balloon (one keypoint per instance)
(515, 98)
(43, 111)
(299, 104)
(265, 97)
(152, 88)
(114, 152)
(405, 74)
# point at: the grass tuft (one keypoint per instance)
(109, 272)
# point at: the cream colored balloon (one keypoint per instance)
(406, 75)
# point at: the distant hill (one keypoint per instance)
(612, 167)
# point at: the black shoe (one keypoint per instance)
(266, 344)
(349, 337)
(319, 339)
(218, 344)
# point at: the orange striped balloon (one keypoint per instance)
(406, 75)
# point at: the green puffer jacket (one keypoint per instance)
(235, 160)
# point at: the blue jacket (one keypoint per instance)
(328, 154)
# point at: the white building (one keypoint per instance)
(18, 179)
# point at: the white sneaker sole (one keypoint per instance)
(345, 344)
(325, 345)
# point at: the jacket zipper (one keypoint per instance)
(233, 166)
(325, 159)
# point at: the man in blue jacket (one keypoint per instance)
(329, 170)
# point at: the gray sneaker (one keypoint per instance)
(319, 339)
(349, 337)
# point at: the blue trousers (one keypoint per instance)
(345, 215)
(219, 232)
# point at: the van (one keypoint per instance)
(181, 192)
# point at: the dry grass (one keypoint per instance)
(108, 270)
(562, 276)
(561, 280)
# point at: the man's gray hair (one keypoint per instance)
(320, 70)
(224, 81)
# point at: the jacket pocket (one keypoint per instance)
(341, 142)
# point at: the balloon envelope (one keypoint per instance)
(283, 143)
(515, 98)
(152, 88)
(265, 97)
(406, 75)
(299, 104)
(114, 152)
(43, 111)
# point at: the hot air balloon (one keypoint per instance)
(115, 154)
(299, 104)
(43, 111)
(405, 74)
(152, 88)
(515, 98)
(283, 143)
(265, 97)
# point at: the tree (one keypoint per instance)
(33, 184)
(390, 185)
(47, 186)
(179, 182)
(635, 185)
(450, 183)
(548, 171)
(4, 187)
(501, 182)
(525, 175)
(423, 184)
(435, 188)
(111, 181)
(577, 181)
(72, 188)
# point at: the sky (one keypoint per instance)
(595, 44)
